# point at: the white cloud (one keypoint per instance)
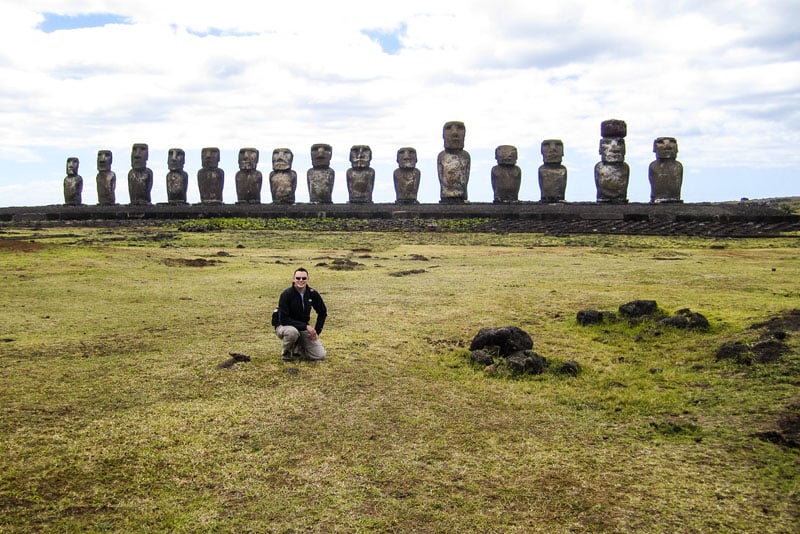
(192, 74)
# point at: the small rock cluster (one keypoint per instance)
(643, 310)
(514, 346)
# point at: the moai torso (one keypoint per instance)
(453, 164)
(248, 178)
(360, 177)
(106, 179)
(210, 178)
(406, 176)
(611, 174)
(506, 176)
(140, 177)
(320, 176)
(552, 174)
(282, 179)
(73, 184)
(177, 178)
(665, 173)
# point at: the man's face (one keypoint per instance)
(321, 155)
(407, 158)
(139, 156)
(360, 156)
(300, 280)
(665, 148)
(176, 159)
(282, 159)
(612, 149)
(453, 134)
(104, 160)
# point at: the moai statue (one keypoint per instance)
(453, 164)
(320, 176)
(666, 172)
(210, 178)
(612, 173)
(552, 174)
(406, 176)
(177, 178)
(506, 176)
(140, 177)
(282, 179)
(73, 184)
(248, 178)
(106, 179)
(360, 177)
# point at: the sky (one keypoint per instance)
(721, 76)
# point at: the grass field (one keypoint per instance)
(117, 412)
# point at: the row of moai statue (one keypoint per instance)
(453, 166)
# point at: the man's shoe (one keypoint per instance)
(286, 356)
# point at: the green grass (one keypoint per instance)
(115, 415)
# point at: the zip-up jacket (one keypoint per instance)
(295, 311)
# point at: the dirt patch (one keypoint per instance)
(408, 272)
(786, 431)
(13, 245)
(342, 265)
(789, 320)
(771, 345)
(186, 262)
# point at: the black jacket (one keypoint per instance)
(292, 312)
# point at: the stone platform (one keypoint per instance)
(735, 219)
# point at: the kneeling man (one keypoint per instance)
(300, 339)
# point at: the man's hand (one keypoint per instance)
(312, 334)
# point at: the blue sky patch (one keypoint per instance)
(389, 40)
(54, 22)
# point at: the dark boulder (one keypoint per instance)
(507, 339)
(526, 362)
(638, 308)
(587, 317)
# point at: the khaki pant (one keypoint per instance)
(297, 344)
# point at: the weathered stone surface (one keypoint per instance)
(406, 176)
(453, 164)
(320, 176)
(248, 179)
(611, 175)
(210, 178)
(506, 175)
(587, 317)
(571, 368)
(526, 362)
(507, 339)
(140, 177)
(360, 177)
(106, 179)
(177, 178)
(552, 174)
(482, 357)
(638, 308)
(613, 128)
(665, 173)
(73, 184)
(282, 179)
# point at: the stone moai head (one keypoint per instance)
(176, 159)
(104, 159)
(612, 149)
(552, 150)
(282, 159)
(407, 157)
(665, 148)
(321, 155)
(139, 155)
(72, 166)
(453, 134)
(360, 156)
(248, 159)
(506, 155)
(209, 157)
